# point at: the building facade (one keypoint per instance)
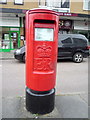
(12, 23)
(74, 18)
(74, 15)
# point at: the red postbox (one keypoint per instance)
(41, 59)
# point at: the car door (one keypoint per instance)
(65, 47)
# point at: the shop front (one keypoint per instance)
(65, 26)
(10, 39)
(82, 27)
(10, 34)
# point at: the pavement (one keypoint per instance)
(72, 106)
(7, 55)
(66, 105)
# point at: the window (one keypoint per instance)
(86, 4)
(79, 42)
(5, 41)
(3, 1)
(58, 3)
(18, 2)
(64, 3)
(67, 41)
(42, 3)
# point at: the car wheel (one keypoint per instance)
(23, 59)
(78, 57)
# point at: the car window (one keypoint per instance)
(79, 41)
(66, 41)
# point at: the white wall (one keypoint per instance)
(80, 25)
(9, 21)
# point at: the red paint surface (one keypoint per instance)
(41, 56)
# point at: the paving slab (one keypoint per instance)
(65, 107)
(89, 99)
(72, 106)
(7, 55)
(84, 96)
(89, 112)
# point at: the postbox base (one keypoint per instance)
(40, 102)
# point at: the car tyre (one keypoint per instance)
(78, 57)
(23, 59)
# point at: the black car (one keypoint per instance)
(19, 54)
(70, 46)
(73, 46)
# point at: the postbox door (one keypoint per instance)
(43, 48)
(41, 55)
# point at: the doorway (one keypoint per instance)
(9, 39)
(14, 39)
